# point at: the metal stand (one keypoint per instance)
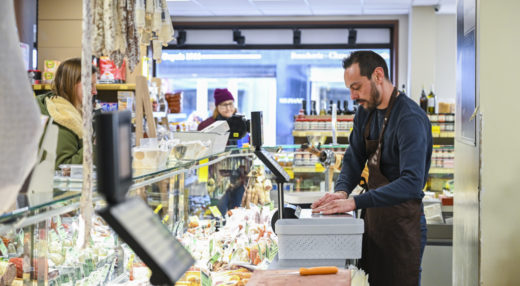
(280, 199)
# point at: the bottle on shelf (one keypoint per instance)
(323, 111)
(338, 108)
(329, 112)
(313, 108)
(423, 101)
(346, 111)
(304, 107)
(432, 102)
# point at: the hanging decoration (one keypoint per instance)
(86, 208)
(121, 26)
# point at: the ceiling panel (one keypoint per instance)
(183, 6)
(388, 2)
(226, 4)
(286, 12)
(194, 13)
(228, 12)
(333, 2)
(301, 7)
(347, 10)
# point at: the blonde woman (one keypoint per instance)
(64, 105)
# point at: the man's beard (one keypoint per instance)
(375, 97)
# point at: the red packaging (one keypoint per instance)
(110, 73)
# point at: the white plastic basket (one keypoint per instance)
(319, 238)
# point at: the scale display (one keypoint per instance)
(142, 230)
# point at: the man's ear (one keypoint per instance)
(378, 75)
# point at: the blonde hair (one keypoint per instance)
(66, 78)
(216, 114)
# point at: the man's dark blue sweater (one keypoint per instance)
(405, 159)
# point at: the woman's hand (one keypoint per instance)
(336, 206)
(328, 197)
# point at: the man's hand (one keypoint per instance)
(328, 197)
(336, 206)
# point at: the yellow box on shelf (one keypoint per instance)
(41, 87)
(115, 86)
(441, 171)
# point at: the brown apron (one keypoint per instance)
(392, 239)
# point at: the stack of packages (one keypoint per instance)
(174, 102)
(50, 68)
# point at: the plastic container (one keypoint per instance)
(320, 238)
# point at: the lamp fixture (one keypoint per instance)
(181, 38)
(297, 37)
(238, 37)
(352, 36)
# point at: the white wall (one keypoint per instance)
(498, 43)
(446, 57)
(433, 53)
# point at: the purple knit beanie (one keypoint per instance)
(221, 95)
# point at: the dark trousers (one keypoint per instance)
(424, 231)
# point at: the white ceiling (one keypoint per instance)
(195, 8)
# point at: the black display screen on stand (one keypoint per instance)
(132, 219)
(264, 156)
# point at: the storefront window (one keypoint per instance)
(273, 81)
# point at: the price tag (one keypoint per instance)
(290, 172)
(37, 86)
(235, 134)
(215, 211)
(3, 248)
(203, 171)
(157, 209)
(165, 219)
(60, 229)
(436, 130)
(204, 279)
(319, 168)
(214, 258)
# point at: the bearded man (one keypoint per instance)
(392, 137)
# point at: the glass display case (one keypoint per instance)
(43, 240)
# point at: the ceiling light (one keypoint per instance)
(237, 37)
(352, 35)
(297, 37)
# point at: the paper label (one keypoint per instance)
(215, 211)
(319, 168)
(290, 172)
(3, 248)
(436, 129)
(205, 280)
(203, 171)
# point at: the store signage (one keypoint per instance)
(201, 56)
(290, 100)
(332, 55)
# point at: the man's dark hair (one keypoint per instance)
(368, 61)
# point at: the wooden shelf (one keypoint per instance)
(115, 86)
(99, 86)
